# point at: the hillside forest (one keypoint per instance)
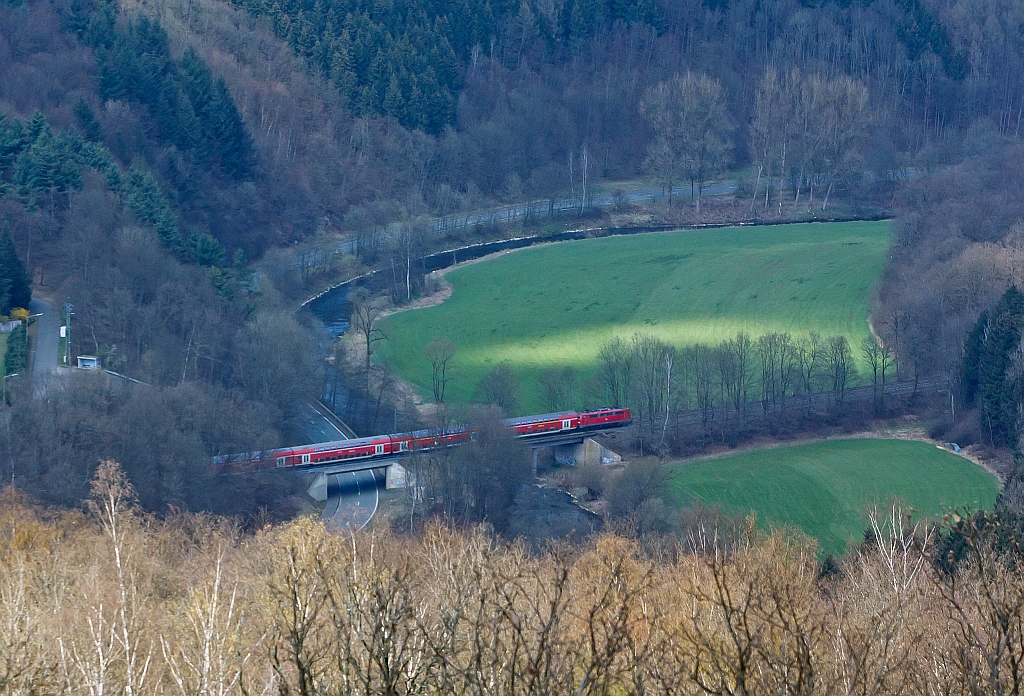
(180, 174)
(177, 177)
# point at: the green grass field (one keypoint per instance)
(826, 488)
(555, 305)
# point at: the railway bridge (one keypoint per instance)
(568, 434)
(568, 447)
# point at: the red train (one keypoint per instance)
(387, 446)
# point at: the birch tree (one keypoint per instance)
(771, 131)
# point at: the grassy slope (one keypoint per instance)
(555, 305)
(825, 488)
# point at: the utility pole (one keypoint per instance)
(67, 343)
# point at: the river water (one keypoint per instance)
(333, 309)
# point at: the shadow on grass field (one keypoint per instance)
(554, 306)
(826, 488)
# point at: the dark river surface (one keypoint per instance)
(334, 310)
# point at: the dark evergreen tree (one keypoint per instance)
(144, 197)
(207, 251)
(5, 295)
(189, 108)
(16, 357)
(343, 75)
(972, 360)
(87, 121)
(992, 374)
(13, 140)
(13, 272)
(228, 134)
(38, 127)
(49, 169)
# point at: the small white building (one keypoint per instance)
(89, 362)
(9, 326)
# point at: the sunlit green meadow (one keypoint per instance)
(557, 304)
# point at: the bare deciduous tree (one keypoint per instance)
(691, 131)
(615, 371)
(499, 387)
(366, 311)
(441, 354)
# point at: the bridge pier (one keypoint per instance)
(318, 489)
(396, 477)
(590, 452)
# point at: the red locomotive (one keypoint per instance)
(389, 446)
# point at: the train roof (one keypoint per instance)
(541, 417)
(372, 440)
(336, 444)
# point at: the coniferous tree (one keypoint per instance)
(87, 121)
(5, 295)
(190, 110)
(16, 357)
(13, 140)
(149, 205)
(972, 360)
(989, 373)
(19, 291)
(229, 135)
(343, 76)
(207, 251)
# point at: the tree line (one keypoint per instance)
(406, 60)
(779, 372)
(727, 384)
(907, 61)
(113, 599)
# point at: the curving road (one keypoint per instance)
(352, 500)
(352, 497)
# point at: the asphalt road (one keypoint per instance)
(351, 497)
(310, 427)
(352, 500)
(47, 337)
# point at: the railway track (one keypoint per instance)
(758, 409)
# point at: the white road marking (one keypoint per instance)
(376, 501)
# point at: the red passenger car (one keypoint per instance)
(545, 424)
(387, 446)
